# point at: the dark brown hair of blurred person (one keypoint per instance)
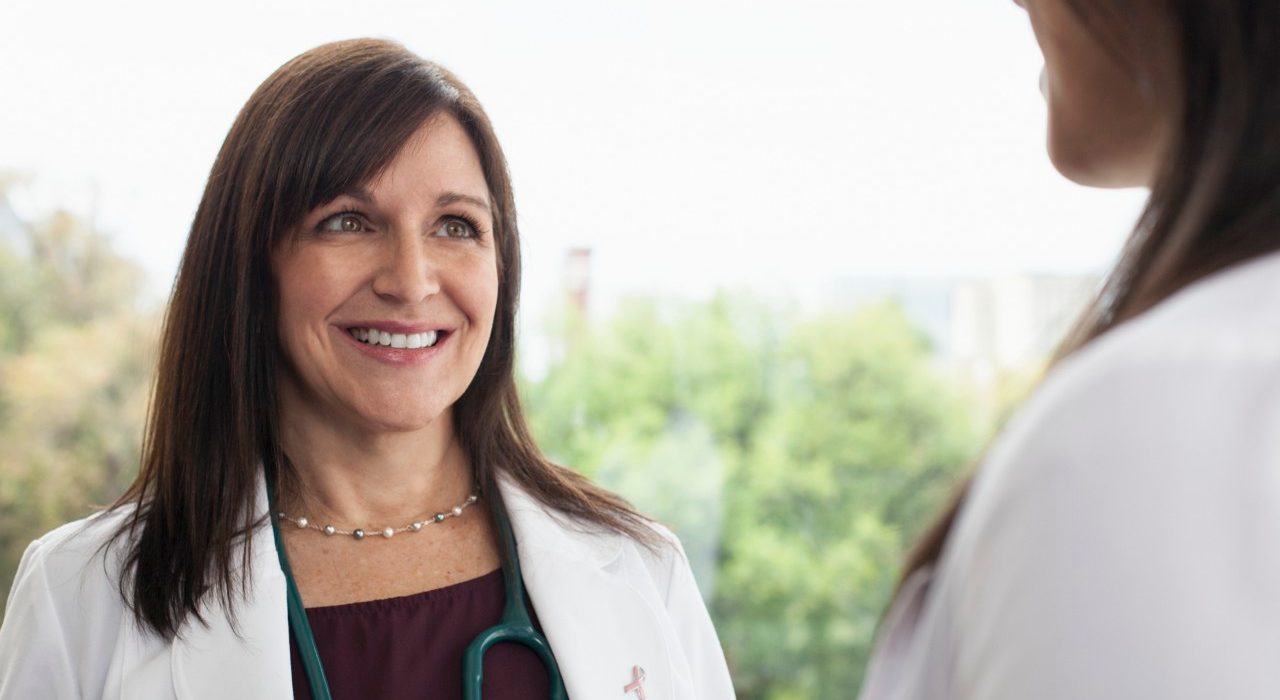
(1215, 199)
(327, 121)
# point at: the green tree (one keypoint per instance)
(657, 403)
(860, 447)
(794, 460)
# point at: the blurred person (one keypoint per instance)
(338, 491)
(1121, 539)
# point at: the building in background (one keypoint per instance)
(981, 327)
(576, 279)
(1016, 321)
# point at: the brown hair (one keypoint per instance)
(326, 121)
(1216, 199)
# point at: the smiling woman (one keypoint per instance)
(387, 294)
(337, 362)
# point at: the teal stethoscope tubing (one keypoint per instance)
(515, 626)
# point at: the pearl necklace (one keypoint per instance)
(387, 532)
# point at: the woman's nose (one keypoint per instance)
(408, 271)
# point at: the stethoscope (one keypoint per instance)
(515, 626)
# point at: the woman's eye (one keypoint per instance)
(345, 223)
(455, 228)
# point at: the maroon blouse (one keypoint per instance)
(412, 646)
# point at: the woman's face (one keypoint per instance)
(1110, 123)
(387, 293)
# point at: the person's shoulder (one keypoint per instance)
(1161, 412)
(1226, 320)
(542, 526)
(1134, 481)
(1203, 365)
(64, 611)
(661, 550)
(72, 546)
(75, 566)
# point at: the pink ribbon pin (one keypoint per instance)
(637, 682)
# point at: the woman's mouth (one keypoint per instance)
(410, 341)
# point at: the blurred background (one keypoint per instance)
(787, 267)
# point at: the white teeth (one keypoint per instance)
(412, 341)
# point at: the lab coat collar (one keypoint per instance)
(250, 659)
(594, 599)
(591, 593)
(538, 528)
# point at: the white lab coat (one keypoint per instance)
(1122, 540)
(605, 603)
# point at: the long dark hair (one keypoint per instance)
(1215, 201)
(326, 121)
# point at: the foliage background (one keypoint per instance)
(796, 455)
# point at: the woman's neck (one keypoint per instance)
(358, 478)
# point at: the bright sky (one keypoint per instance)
(691, 144)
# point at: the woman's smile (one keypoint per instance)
(413, 341)
(387, 343)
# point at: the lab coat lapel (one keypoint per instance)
(592, 596)
(586, 589)
(213, 661)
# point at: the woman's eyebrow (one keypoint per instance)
(448, 198)
(365, 197)
(359, 194)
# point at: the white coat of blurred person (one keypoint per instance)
(1121, 538)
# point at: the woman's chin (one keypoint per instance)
(401, 419)
(1101, 157)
